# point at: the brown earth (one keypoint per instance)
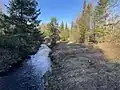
(80, 67)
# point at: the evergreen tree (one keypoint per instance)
(100, 18)
(84, 6)
(101, 12)
(84, 22)
(81, 23)
(19, 35)
(72, 25)
(66, 26)
(1, 6)
(89, 23)
(64, 35)
(23, 14)
(53, 27)
(1, 17)
(44, 29)
(62, 26)
(89, 13)
(23, 20)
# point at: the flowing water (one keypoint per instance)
(30, 75)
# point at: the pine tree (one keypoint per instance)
(62, 26)
(84, 5)
(1, 6)
(53, 27)
(81, 23)
(89, 23)
(89, 13)
(1, 17)
(101, 12)
(84, 22)
(19, 36)
(100, 18)
(66, 26)
(23, 14)
(23, 18)
(72, 25)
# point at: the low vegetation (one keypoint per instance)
(81, 67)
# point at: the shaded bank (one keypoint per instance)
(80, 67)
(15, 49)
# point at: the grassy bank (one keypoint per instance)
(111, 51)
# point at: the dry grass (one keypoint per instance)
(80, 67)
(111, 51)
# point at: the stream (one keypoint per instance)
(30, 75)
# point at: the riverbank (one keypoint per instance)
(11, 59)
(16, 48)
(80, 67)
(30, 75)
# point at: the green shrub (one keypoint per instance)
(15, 48)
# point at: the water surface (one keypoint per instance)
(30, 75)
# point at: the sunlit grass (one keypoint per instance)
(111, 51)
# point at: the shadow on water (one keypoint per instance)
(28, 75)
(13, 69)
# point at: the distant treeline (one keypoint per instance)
(96, 23)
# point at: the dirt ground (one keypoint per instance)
(80, 67)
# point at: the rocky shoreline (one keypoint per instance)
(80, 67)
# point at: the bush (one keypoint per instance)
(8, 58)
(15, 48)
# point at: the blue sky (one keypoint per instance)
(63, 10)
